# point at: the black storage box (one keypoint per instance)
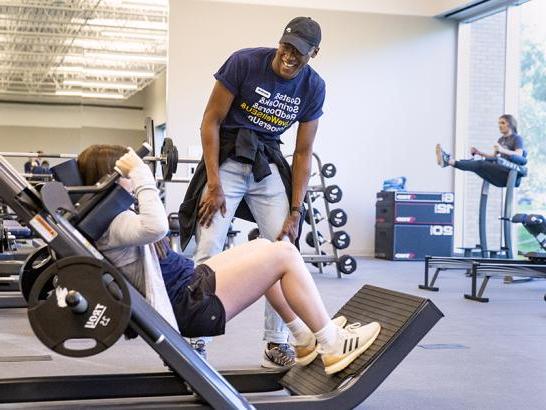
(412, 242)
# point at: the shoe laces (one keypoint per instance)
(350, 329)
(281, 354)
(199, 345)
(285, 348)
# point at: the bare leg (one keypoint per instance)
(246, 272)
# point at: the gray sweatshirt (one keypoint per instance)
(128, 242)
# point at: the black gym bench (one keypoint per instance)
(192, 382)
(534, 266)
(488, 270)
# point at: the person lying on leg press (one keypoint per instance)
(509, 146)
(204, 298)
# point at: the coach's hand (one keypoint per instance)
(290, 227)
(212, 202)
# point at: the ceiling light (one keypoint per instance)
(130, 34)
(122, 57)
(68, 93)
(101, 84)
(119, 46)
(138, 24)
(105, 72)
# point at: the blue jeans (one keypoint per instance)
(269, 205)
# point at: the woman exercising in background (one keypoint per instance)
(508, 146)
(204, 298)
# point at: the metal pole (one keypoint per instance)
(75, 156)
(482, 222)
(510, 185)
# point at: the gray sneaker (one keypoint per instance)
(200, 346)
(278, 355)
(442, 157)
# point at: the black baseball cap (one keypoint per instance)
(303, 33)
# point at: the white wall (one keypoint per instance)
(390, 92)
(155, 99)
(69, 116)
(66, 128)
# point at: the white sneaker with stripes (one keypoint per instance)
(305, 354)
(353, 340)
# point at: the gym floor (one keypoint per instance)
(480, 356)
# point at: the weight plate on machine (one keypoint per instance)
(337, 217)
(328, 170)
(346, 264)
(169, 161)
(89, 304)
(37, 262)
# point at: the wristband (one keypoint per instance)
(296, 209)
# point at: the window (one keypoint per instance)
(532, 113)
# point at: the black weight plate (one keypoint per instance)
(309, 240)
(333, 194)
(169, 162)
(346, 264)
(37, 262)
(316, 216)
(318, 264)
(341, 240)
(108, 306)
(328, 170)
(253, 234)
(337, 217)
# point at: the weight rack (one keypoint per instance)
(318, 259)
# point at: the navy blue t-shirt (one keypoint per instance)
(177, 271)
(265, 102)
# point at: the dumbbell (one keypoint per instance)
(332, 194)
(337, 217)
(253, 234)
(340, 240)
(346, 264)
(317, 216)
(328, 170)
(317, 264)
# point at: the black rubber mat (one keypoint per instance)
(393, 310)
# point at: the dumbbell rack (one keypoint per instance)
(318, 259)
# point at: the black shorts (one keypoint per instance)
(198, 311)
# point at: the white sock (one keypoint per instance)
(300, 331)
(327, 337)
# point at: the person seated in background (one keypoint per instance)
(41, 169)
(31, 163)
(204, 298)
(508, 146)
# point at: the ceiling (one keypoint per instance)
(81, 48)
(428, 8)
